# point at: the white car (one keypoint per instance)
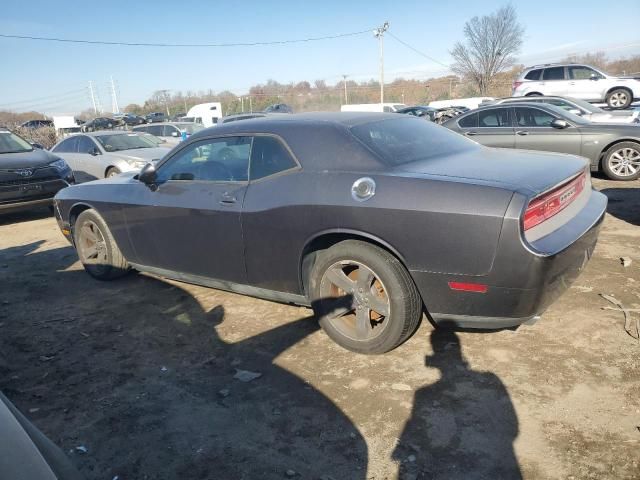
(577, 81)
(170, 132)
(104, 154)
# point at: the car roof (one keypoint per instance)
(107, 132)
(165, 123)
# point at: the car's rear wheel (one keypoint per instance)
(619, 98)
(96, 247)
(364, 298)
(622, 161)
(112, 172)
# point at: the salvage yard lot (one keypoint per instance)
(140, 372)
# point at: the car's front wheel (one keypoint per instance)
(364, 298)
(96, 247)
(622, 161)
(112, 172)
(619, 98)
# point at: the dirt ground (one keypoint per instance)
(140, 372)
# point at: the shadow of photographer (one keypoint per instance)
(461, 427)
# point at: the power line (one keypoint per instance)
(48, 97)
(417, 51)
(182, 45)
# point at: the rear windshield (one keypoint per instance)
(408, 139)
(190, 128)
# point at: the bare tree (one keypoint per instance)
(490, 47)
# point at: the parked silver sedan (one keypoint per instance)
(107, 153)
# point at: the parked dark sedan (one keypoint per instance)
(370, 218)
(29, 176)
(614, 148)
(98, 123)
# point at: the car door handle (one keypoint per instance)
(470, 134)
(522, 133)
(227, 199)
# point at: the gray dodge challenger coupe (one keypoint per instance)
(613, 148)
(371, 219)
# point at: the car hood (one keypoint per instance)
(33, 159)
(607, 117)
(136, 154)
(506, 168)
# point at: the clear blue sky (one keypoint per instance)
(32, 70)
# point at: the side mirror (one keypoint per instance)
(559, 124)
(148, 174)
(175, 134)
(94, 151)
(575, 111)
(593, 76)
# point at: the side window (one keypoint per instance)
(168, 131)
(269, 156)
(470, 121)
(141, 129)
(533, 74)
(85, 144)
(214, 160)
(554, 73)
(582, 73)
(67, 146)
(532, 117)
(494, 117)
(156, 130)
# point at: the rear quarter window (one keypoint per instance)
(406, 139)
(533, 75)
(470, 121)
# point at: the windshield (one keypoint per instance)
(12, 143)
(190, 128)
(129, 141)
(586, 106)
(408, 139)
(562, 113)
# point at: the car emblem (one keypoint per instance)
(24, 172)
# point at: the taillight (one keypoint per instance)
(554, 201)
(516, 85)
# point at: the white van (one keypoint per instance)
(372, 107)
(208, 114)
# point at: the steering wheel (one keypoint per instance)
(226, 154)
(212, 170)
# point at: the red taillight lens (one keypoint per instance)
(516, 85)
(550, 203)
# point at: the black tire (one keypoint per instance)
(622, 161)
(389, 284)
(619, 98)
(112, 172)
(108, 262)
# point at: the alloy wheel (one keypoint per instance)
(618, 99)
(92, 246)
(625, 162)
(365, 315)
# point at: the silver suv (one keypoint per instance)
(577, 81)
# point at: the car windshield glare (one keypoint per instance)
(126, 141)
(408, 139)
(191, 128)
(12, 143)
(562, 113)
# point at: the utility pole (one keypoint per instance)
(346, 98)
(250, 105)
(185, 105)
(93, 97)
(242, 104)
(379, 34)
(114, 98)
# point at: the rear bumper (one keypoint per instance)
(525, 279)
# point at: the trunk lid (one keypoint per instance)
(517, 170)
